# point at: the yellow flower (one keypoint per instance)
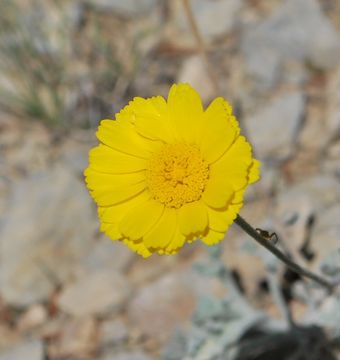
(169, 172)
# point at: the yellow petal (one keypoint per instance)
(220, 220)
(193, 218)
(111, 230)
(122, 136)
(107, 160)
(176, 242)
(254, 171)
(150, 116)
(96, 180)
(219, 130)
(212, 237)
(159, 103)
(154, 106)
(114, 214)
(138, 247)
(234, 164)
(108, 196)
(140, 219)
(238, 197)
(185, 111)
(218, 192)
(162, 233)
(111, 189)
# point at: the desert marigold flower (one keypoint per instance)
(169, 172)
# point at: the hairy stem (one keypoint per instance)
(280, 255)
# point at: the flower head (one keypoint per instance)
(169, 172)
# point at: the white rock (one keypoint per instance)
(169, 302)
(326, 234)
(293, 219)
(273, 130)
(75, 155)
(107, 255)
(214, 18)
(194, 72)
(135, 355)
(30, 350)
(321, 128)
(113, 332)
(99, 293)
(320, 192)
(48, 227)
(297, 205)
(9, 338)
(329, 219)
(35, 316)
(328, 315)
(297, 30)
(263, 64)
(331, 163)
(333, 108)
(128, 8)
(314, 135)
(269, 182)
(77, 339)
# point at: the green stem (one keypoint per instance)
(280, 255)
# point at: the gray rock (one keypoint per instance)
(194, 71)
(127, 8)
(328, 315)
(320, 192)
(113, 332)
(330, 265)
(273, 130)
(77, 338)
(214, 18)
(30, 350)
(109, 255)
(176, 348)
(293, 214)
(314, 136)
(136, 355)
(48, 227)
(297, 30)
(322, 127)
(75, 154)
(35, 316)
(169, 302)
(269, 182)
(331, 163)
(303, 202)
(326, 234)
(333, 108)
(263, 65)
(99, 293)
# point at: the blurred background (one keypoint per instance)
(66, 291)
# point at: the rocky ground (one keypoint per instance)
(66, 291)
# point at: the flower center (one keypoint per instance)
(177, 175)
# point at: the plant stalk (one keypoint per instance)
(280, 255)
